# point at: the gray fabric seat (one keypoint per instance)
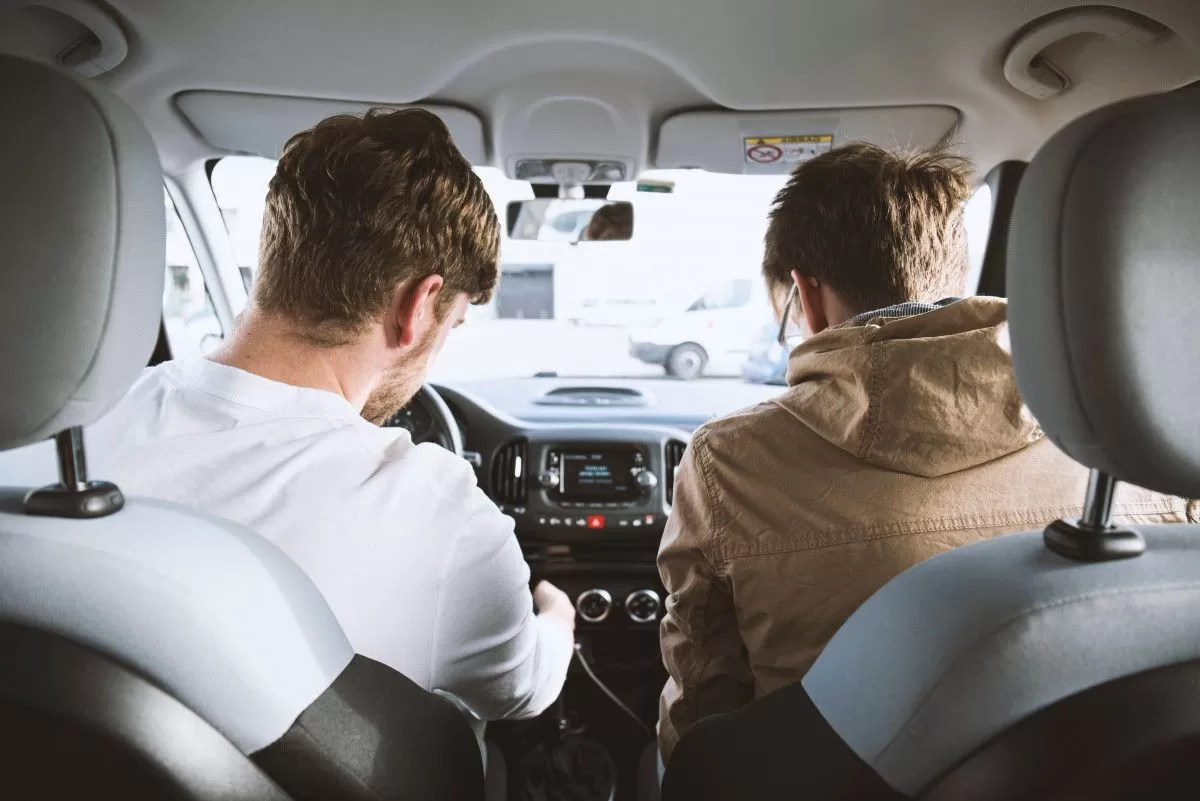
(1057, 664)
(152, 651)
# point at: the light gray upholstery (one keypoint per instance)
(1104, 286)
(82, 242)
(1104, 282)
(961, 647)
(214, 614)
(208, 611)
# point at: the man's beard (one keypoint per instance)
(399, 384)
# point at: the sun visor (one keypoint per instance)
(261, 124)
(775, 142)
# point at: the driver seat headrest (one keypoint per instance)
(82, 243)
(1103, 282)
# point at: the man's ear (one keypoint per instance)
(812, 302)
(413, 309)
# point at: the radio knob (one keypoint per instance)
(548, 479)
(593, 605)
(642, 606)
(646, 480)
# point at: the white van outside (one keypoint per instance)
(711, 335)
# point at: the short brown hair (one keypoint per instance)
(613, 221)
(877, 227)
(359, 205)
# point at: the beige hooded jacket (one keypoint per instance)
(896, 440)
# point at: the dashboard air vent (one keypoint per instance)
(674, 453)
(510, 469)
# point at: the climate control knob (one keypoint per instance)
(646, 480)
(593, 605)
(642, 606)
(548, 479)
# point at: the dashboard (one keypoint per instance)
(589, 500)
(580, 484)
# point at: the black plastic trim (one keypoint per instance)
(1080, 543)
(1004, 179)
(1134, 738)
(162, 347)
(372, 735)
(97, 499)
(777, 747)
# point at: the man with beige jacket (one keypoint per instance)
(901, 435)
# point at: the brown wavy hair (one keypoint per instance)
(360, 205)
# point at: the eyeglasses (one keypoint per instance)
(786, 316)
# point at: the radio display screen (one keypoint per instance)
(599, 474)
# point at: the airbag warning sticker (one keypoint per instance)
(782, 153)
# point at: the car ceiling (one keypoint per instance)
(638, 61)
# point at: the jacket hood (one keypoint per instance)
(927, 395)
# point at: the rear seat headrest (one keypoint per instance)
(1104, 289)
(82, 243)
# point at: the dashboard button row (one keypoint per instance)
(593, 506)
(598, 521)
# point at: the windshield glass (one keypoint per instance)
(689, 276)
(683, 298)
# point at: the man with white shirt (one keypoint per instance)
(377, 235)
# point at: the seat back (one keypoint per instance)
(1057, 664)
(152, 651)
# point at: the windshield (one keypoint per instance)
(683, 298)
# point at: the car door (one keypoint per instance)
(723, 323)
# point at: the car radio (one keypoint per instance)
(597, 476)
(606, 486)
(583, 486)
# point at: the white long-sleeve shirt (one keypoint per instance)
(419, 566)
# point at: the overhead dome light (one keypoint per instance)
(572, 173)
(608, 171)
(569, 172)
(532, 170)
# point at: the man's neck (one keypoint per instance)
(270, 347)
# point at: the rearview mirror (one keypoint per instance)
(570, 220)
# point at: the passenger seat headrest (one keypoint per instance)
(1104, 290)
(82, 248)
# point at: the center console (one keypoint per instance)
(596, 489)
(590, 503)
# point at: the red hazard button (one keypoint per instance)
(595, 521)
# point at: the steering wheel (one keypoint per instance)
(427, 418)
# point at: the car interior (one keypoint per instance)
(163, 652)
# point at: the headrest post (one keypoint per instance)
(1093, 537)
(72, 462)
(1097, 504)
(74, 496)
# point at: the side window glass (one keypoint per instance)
(977, 217)
(239, 184)
(188, 313)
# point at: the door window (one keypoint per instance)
(188, 313)
(977, 217)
